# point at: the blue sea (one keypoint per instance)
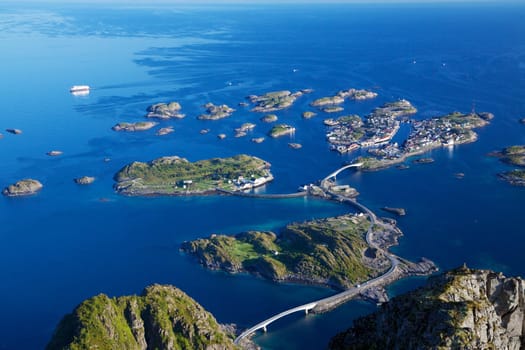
(70, 242)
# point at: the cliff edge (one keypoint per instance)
(460, 309)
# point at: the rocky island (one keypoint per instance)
(356, 94)
(162, 317)
(14, 131)
(178, 176)
(328, 252)
(339, 98)
(460, 309)
(269, 118)
(214, 112)
(132, 127)
(274, 101)
(84, 180)
(24, 187)
(308, 115)
(397, 211)
(165, 131)
(281, 130)
(165, 111)
(513, 155)
(328, 101)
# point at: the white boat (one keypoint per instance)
(79, 88)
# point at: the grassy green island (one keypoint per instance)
(329, 252)
(178, 176)
(163, 317)
(281, 130)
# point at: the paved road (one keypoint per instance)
(340, 298)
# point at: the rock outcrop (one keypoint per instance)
(163, 317)
(165, 111)
(84, 180)
(131, 127)
(460, 309)
(23, 188)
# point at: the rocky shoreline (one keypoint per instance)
(460, 309)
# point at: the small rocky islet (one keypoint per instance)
(216, 112)
(84, 180)
(281, 130)
(133, 127)
(25, 187)
(513, 155)
(165, 111)
(275, 100)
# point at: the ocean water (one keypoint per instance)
(69, 243)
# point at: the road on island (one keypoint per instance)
(329, 303)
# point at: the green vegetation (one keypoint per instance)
(274, 101)
(325, 101)
(175, 175)
(214, 112)
(326, 251)
(281, 130)
(332, 109)
(269, 118)
(138, 126)
(308, 115)
(163, 317)
(514, 177)
(165, 111)
(460, 309)
(514, 155)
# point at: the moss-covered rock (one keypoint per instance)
(163, 317)
(460, 309)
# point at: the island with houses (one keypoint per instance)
(174, 175)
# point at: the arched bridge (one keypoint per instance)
(262, 325)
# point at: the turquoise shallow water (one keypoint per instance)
(66, 244)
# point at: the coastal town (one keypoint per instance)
(350, 133)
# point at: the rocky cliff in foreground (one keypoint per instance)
(460, 309)
(163, 317)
